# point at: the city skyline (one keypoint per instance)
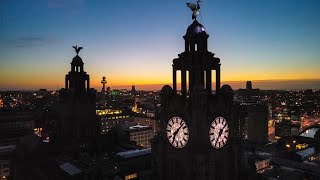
(136, 47)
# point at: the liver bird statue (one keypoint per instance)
(77, 49)
(195, 8)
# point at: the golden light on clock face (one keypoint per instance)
(177, 132)
(219, 132)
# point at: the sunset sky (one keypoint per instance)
(134, 42)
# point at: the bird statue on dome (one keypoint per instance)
(77, 49)
(195, 8)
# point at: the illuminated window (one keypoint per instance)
(131, 176)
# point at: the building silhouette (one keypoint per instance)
(133, 90)
(249, 85)
(191, 144)
(250, 94)
(255, 122)
(103, 82)
(77, 108)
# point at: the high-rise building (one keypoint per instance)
(133, 90)
(255, 125)
(111, 117)
(197, 139)
(77, 108)
(249, 85)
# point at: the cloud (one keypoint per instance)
(55, 4)
(32, 41)
(65, 3)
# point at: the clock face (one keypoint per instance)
(177, 132)
(219, 132)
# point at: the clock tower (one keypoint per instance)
(198, 137)
(77, 107)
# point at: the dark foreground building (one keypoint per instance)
(77, 107)
(198, 137)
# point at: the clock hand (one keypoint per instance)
(176, 132)
(220, 132)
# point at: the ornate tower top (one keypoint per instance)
(77, 79)
(196, 62)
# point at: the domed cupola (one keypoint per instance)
(77, 64)
(195, 29)
(196, 38)
(77, 78)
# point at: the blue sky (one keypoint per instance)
(134, 42)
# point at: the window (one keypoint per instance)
(5, 171)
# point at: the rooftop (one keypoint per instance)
(134, 153)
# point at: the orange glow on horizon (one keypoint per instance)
(33, 80)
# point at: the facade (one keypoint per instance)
(147, 122)
(111, 117)
(262, 164)
(11, 121)
(4, 169)
(198, 132)
(77, 108)
(14, 126)
(255, 126)
(142, 135)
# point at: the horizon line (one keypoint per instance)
(162, 84)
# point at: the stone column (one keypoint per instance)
(218, 78)
(174, 82)
(88, 84)
(66, 83)
(209, 81)
(183, 82)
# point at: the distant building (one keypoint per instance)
(262, 164)
(147, 122)
(108, 91)
(111, 117)
(283, 124)
(13, 127)
(133, 164)
(11, 121)
(249, 85)
(249, 94)
(297, 157)
(142, 135)
(282, 129)
(133, 90)
(255, 126)
(4, 168)
(103, 82)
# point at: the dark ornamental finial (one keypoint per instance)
(77, 49)
(195, 8)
